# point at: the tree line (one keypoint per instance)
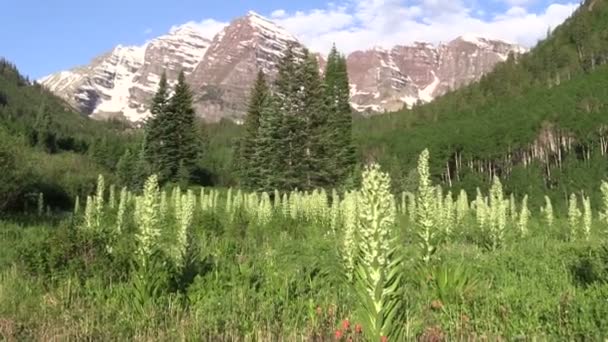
(298, 129)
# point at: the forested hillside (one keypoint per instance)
(537, 121)
(46, 147)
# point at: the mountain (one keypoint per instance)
(221, 71)
(537, 121)
(122, 81)
(223, 78)
(383, 80)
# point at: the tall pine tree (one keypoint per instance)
(247, 162)
(45, 135)
(184, 135)
(157, 132)
(171, 146)
(313, 111)
(268, 161)
(339, 125)
(293, 135)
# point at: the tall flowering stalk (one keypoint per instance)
(604, 211)
(188, 204)
(574, 216)
(548, 212)
(375, 270)
(426, 217)
(99, 201)
(264, 213)
(112, 197)
(285, 205)
(448, 214)
(229, 202)
(147, 218)
(349, 247)
(587, 217)
(462, 206)
(89, 214)
(77, 205)
(481, 210)
(497, 217)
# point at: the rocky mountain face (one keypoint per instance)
(223, 78)
(122, 82)
(386, 80)
(221, 71)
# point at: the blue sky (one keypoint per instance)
(42, 36)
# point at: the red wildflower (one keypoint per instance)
(358, 328)
(339, 334)
(345, 324)
(384, 339)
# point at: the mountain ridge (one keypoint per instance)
(221, 71)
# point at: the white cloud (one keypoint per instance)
(278, 13)
(208, 27)
(361, 24)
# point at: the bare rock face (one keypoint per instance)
(221, 72)
(405, 75)
(377, 83)
(122, 82)
(223, 79)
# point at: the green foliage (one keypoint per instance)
(171, 146)
(299, 134)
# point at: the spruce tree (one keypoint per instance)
(292, 129)
(259, 99)
(157, 132)
(45, 137)
(184, 130)
(313, 111)
(268, 159)
(339, 126)
(125, 169)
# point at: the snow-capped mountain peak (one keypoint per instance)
(221, 71)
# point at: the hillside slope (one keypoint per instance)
(544, 111)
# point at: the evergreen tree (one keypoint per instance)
(184, 130)
(339, 122)
(156, 129)
(248, 145)
(313, 110)
(268, 159)
(292, 131)
(45, 136)
(125, 169)
(141, 169)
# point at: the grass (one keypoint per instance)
(283, 282)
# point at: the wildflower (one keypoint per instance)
(345, 324)
(426, 206)
(339, 334)
(384, 339)
(548, 211)
(358, 328)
